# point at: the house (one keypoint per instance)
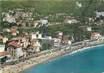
(36, 35)
(1, 37)
(69, 42)
(70, 20)
(19, 52)
(86, 28)
(14, 31)
(89, 28)
(59, 35)
(44, 22)
(13, 47)
(57, 42)
(24, 42)
(5, 39)
(3, 53)
(79, 4)
(35, 45)
(9, 18)
(65, 40)
(36, 24)
(102, 38)
(95, 36)
(33, 36)
(98, 14)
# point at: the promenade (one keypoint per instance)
(48, 55)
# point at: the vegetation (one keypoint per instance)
(69, 7)
(46, 7)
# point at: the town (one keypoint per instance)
(27, 35)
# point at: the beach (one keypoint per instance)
(48, 55)
(35, 32)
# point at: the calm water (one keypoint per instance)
(88, 61)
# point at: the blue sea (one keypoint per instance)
(87, 61)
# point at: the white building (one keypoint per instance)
(3, 53)
(2, 48)
(57, 42)
(86, 28)
(95, 36)
(102, 38)
(69, 42)
(19, 52)
(98, 14)
(38, 45)
(36, 35)
(70, 21)
(44, 22)
(9, 19)
(5, 39)
(89, 28)
(79, 4)
(33, 36)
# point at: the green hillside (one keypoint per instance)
(54, 6)
(46, 7)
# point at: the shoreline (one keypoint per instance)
(85, 48)
(49, 56)
(65, 54)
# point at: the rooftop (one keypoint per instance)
(3, 53)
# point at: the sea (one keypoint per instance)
(87, 61)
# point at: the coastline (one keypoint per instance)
(85, 48)
(49, 56)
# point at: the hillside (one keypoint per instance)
(55, 6)
(77, 8)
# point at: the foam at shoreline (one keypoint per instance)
(66, 54)
(85, 48)
(56, 55)
(70, 60)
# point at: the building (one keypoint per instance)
(44, 22)
(35, 45)
(44, 30)
(98, 14)
(86, 28)
(5, 39)
(65, 40)
(3, 53)
(95, 36)
(59, 35)
(57, 42)
(78, 4)
(70, 20)
(14, 31)
(2, 48)
(36, 35)
(19, 52)
(9, 18)
(1, 38)
(101, 39)
(13, 47)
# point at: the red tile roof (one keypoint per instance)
(14, 43)
(3, 53)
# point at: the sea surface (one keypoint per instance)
(87, 61)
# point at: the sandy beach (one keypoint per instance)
(49, 55)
